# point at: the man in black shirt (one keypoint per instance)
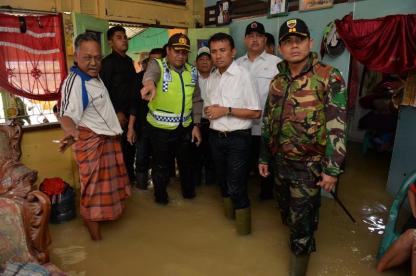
(119, 76)
(143, 146)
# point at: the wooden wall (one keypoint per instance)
(135, 11)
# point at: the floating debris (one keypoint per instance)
(368, 258)
(374, 215)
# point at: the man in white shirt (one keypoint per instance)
(262, 67)
(91, 125)
(231, 105)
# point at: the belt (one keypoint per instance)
(225, 134)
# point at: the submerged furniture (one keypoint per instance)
(24, 212)
(391, 233)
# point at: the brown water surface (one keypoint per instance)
(193, 238)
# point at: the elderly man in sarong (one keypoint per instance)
(91, 126)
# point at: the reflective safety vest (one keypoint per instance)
(172, 104)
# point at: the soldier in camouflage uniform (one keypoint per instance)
(303, 136)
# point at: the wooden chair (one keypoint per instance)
(24, 210)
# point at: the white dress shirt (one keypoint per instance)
(262, 70)
(233, 88)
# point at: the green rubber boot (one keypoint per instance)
(229, 208)
(299, 265)
(243, 221)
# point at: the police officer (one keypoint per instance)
(174, 114)
(303, 136)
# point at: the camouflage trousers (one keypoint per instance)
(299, 200)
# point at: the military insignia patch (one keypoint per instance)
(291, 23)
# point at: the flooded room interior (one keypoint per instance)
(147, 221)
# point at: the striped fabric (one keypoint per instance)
(103, 176)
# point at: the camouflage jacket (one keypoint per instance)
(305, 116)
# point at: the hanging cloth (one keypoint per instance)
(386, 44)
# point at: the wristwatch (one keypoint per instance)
(229, 111)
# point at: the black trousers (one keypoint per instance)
(266, 183)
(129, 152)
(231, 156)
(164, 143)
(203, 157)
(143, 149)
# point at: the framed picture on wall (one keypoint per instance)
(202, 43)
(278, 8)
(223, 12)
(307, 5)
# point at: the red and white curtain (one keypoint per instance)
(32, 56)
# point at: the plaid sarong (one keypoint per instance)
(103, 175)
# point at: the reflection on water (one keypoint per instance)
(71, 255)
(337, 267)
(374, 217)
(377, 208)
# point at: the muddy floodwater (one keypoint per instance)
(193, 237)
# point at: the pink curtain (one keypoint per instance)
(386, 44)
(32, 57)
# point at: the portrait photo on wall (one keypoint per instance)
(306, 5)
(223, 12)
(202, 43)
(278, 8)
